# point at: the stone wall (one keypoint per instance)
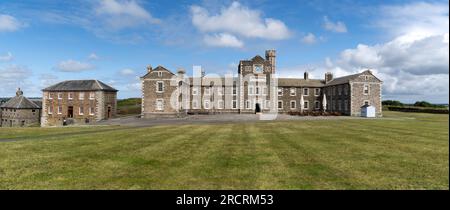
(19, 117)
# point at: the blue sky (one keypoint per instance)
(46, 41)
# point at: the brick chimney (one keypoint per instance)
(149, 68)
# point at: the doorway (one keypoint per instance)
(70, 112)
(257, 108)
(109, 112)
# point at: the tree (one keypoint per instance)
(392, 103)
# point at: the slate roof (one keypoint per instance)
(81, 85)
(293, 82)
(20, 102)
(158, 68)
(343, 80)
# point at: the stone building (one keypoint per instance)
(19, 111)
(78, 102)
(256, 89)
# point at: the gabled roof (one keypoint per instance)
(348, 78)
(258, 58)
(20, 102)
(293, 82)
(158, 68)
(80, 85)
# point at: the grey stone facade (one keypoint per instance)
(255, 89)
(19, 111)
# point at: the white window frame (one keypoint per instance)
(91, 95)
(257, 90)
(307, 91)
(50, 109)
(234, 90)
(306, 105)
(207, 102)
(70, 96)
(280, 91)
(278, 104)
(316, 105)
(162, 87)
(234, 104)
(160, 74)
(293, 91)
(81, 96)
(59, 109)
(91, 110)
(295, 104)
(50, 96)
(368, 89)
(157, 102)
(317, 92)
(250, 90)
(60, 96)
(81, 110)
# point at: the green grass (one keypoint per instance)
(130, 106)
(401, 151)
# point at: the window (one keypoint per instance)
(234, 105)
(339, 105)
(293, 105)
(346, 105)
(194, 104)
(50, 96)
(60, 95)
(317, 105)
(317, 92)
(366, 103)
(59, 109)
(280, 104)
(81, 110)
(247, 104)
(92, 95)
(220, 104)
(306, 105)
(339, 90)
(207, 91)
(81, 96)
(267, 104)
(160, 104)
(258, 69)
(366, 77)
(264, 91)
(306, 92)
(91, 110)
(194, 91)
(50, 109)
(257, 91)
(220, 91)
(366, 89)
(234, 90)
(293, 92)
(250, 90)
(159, 87)
(70, 96)
(160, 74)
(206, 104)
(280, 91)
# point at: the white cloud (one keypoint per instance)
(93, 56)
(127, 72)
(9, 23)
(74, 66)
(223, 40)
(12, 77)
(338, 27)
(309, 39)
(7, 57)
(121, 14)
(239, 20)
(414, 21)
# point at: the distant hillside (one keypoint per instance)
(129, 106)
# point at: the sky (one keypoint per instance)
(404, 43)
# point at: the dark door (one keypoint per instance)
(258, 108)
(70, 112)
(109, 112)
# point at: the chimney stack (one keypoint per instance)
(306, 75)
(181, 71)
(328, 77)
(149, 68)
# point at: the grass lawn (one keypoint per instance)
(400, 151)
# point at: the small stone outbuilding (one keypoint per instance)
(20, 111)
